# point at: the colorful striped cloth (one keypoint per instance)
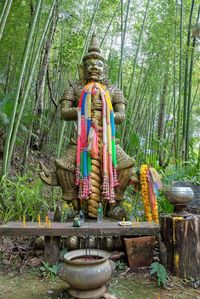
(87, 145)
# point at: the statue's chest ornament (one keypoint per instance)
(87, 146)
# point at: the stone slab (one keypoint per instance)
(106, 228)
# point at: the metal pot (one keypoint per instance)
(180, 197)
(86, 274)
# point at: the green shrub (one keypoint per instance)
(22, 195)
(161, 273)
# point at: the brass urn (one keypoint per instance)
(180, 197)
(86, 272)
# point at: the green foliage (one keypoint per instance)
(22, 195)
(50, 271)
(67, 212)
(160, 271)
(133, 205)
(157, 48)
(120, 265)
(164, 206)
(190, 173)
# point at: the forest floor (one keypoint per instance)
(30, 284)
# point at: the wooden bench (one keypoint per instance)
(53, 233)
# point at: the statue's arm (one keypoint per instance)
(119, 103)
(68, 112)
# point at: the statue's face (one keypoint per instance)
(93, 70)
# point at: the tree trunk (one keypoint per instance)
(182, 240)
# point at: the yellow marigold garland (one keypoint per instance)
(148, 196)
(145, 192)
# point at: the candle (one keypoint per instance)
(47, 220)
(132, 223)
(49, 223)
(39, 220)
(24, 220)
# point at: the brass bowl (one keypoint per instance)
(180, 197)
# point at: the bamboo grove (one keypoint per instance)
(152, 54)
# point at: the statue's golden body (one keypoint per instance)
(92, 71)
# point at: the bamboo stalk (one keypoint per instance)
(4, 15)
(174, 81)
(130, 106)
(96, 6)
(123, 41)
(23, 102)
(6, 164)
(185, 97)
(180, 83)
(189, 95)
(110, 23)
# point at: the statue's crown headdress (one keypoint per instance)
(94, 50)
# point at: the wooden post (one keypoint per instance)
(52, 244)
(52, 249)
(181, 236)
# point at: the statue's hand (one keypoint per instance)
(44, 172)
(46, 176)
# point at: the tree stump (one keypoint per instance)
(181, 236)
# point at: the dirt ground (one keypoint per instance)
(135, 285)
(21, 277)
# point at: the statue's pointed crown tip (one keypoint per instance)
(94, 50)
(94, 44)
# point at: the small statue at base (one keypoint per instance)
(94, 169)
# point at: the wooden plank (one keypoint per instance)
(106, 228)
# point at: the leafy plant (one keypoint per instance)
(67, 212)
(133, 205)
(48, 270)
(164, 205)
(120, 265)
(22, 195)
(161, 273)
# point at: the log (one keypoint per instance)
(181, 236)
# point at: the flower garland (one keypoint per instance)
(149, 186)
(87, 145)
